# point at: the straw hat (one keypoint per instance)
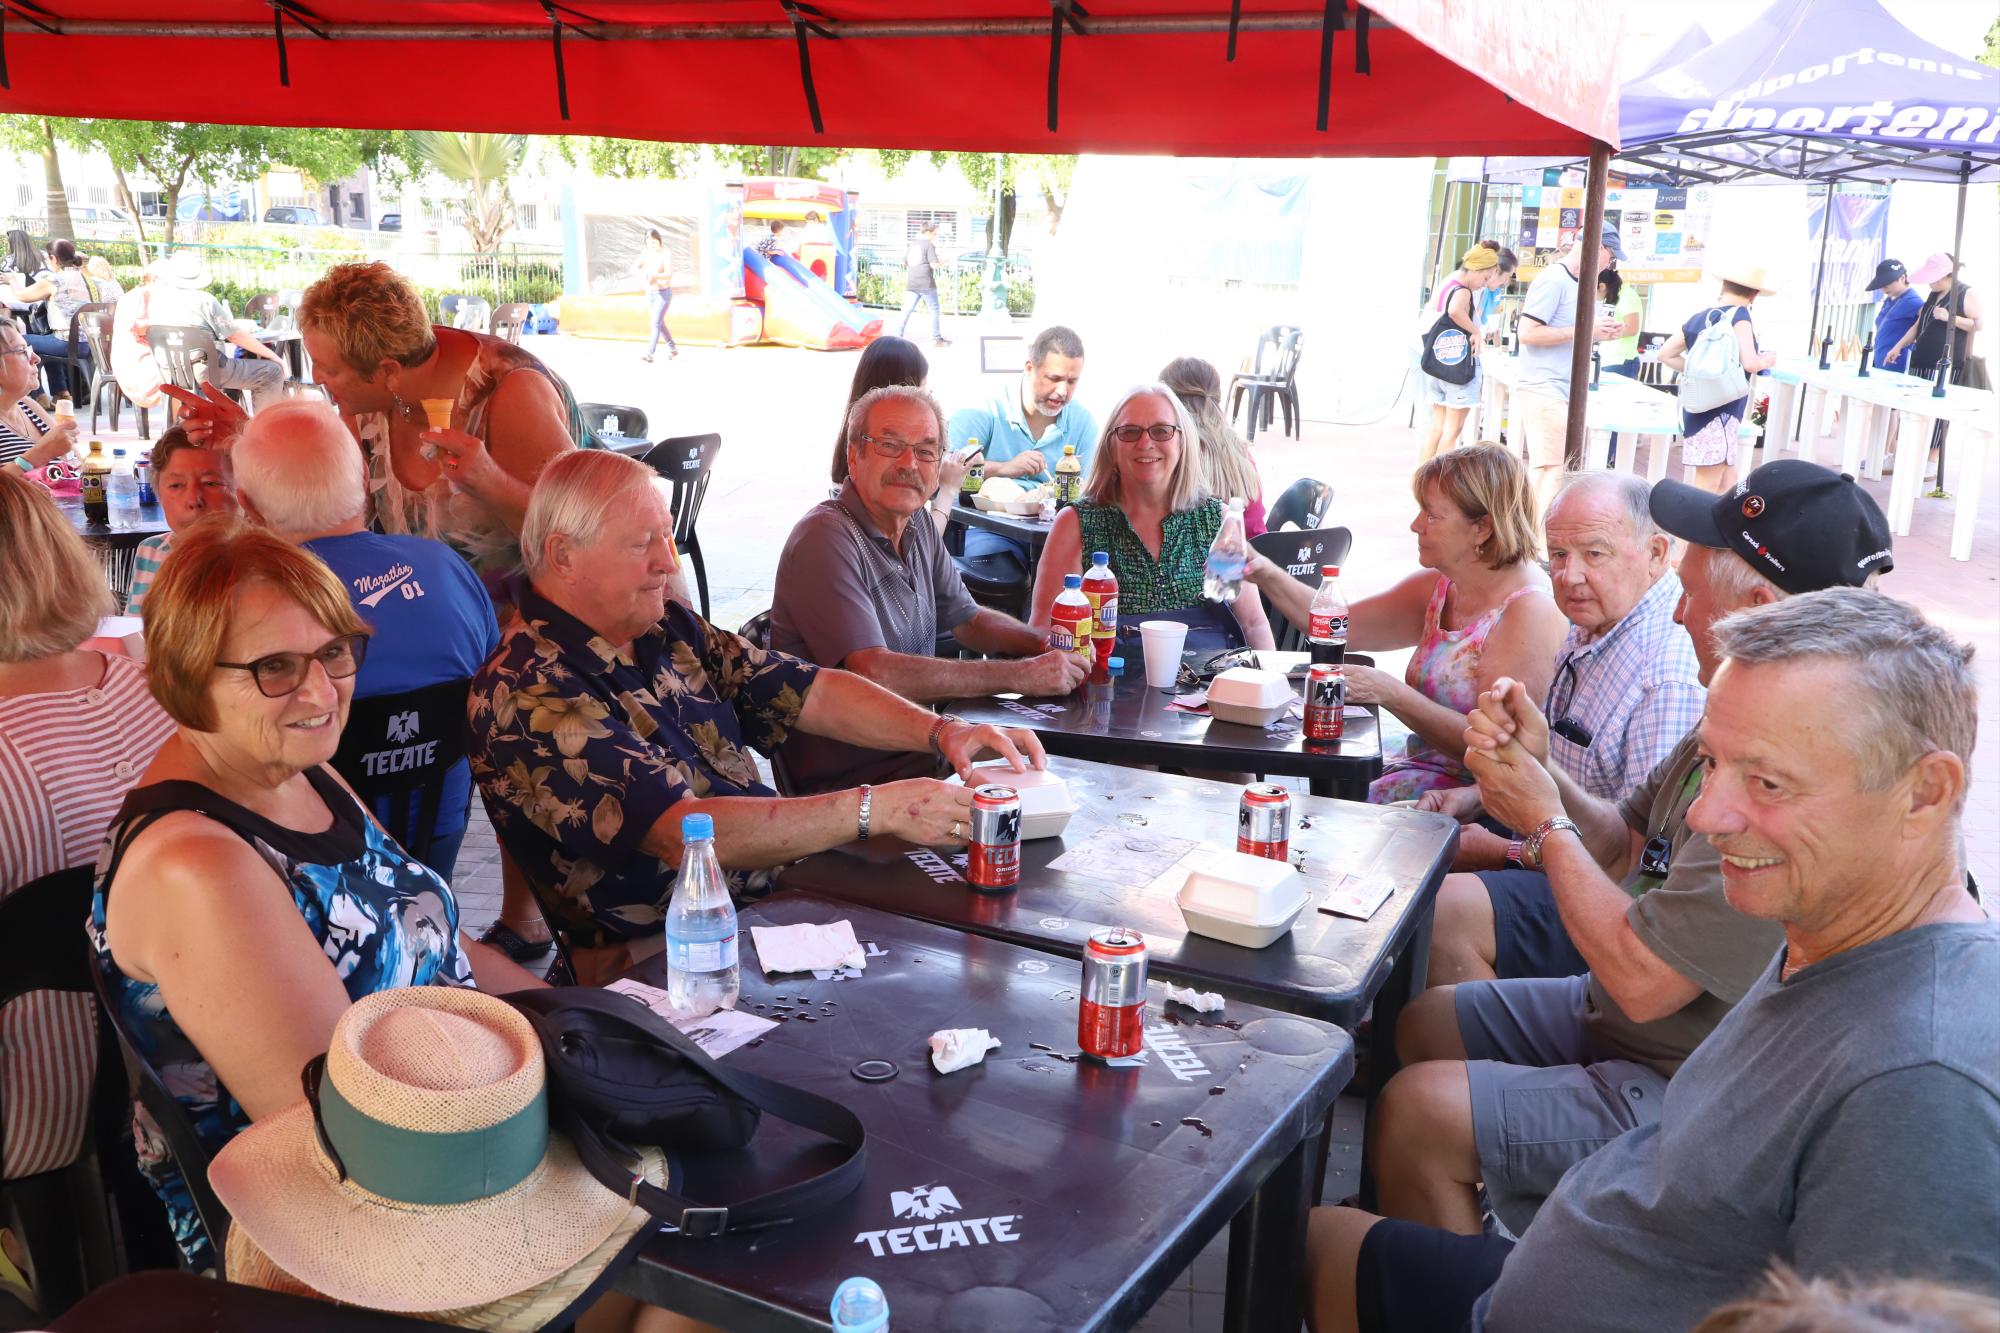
(1744, 275)
(414, 1226)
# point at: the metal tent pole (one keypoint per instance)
(1586, 300)
(1812, 322)
(1938, 491)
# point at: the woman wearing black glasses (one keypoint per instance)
(1144, 504)
(245, 898)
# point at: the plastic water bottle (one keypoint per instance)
(859, 1306)
(1223, 578)
(702, 973)
(1326, 627)
(123, 487)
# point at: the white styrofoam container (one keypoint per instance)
(1239, 899)
(1046, 805)
(1250, 695)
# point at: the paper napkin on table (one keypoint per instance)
(956, 1048)
(808, 948)
(1201, 1001)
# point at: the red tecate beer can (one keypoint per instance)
(1264, 821)
(1326, 700)
(993, 856)
(1111, 1017)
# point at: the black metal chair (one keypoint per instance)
(686, 461)
(396, 751)
(1304, 504)
(64, 1216)
(1271, 382)
(1302, 554)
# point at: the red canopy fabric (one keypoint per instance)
(1452, 77)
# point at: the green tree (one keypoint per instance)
(37, 135)
(480, 165)
(1991, 56)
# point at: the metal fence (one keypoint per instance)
(961, 282)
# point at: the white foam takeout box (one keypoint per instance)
(1251, 696)
(1237, 898)
(1045, 800)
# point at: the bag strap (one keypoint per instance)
(808, 1110)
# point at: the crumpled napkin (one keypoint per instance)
(808, 947)
(953, 1049)
(1201, 1001)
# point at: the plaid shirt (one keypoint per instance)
(1636, 689)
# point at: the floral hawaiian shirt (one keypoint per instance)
(579, 749)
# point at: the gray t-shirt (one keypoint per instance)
(843, 588)
(1685, 919)
(182, 305)
(1551, 300)
(1845, 1122)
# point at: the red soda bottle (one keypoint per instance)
(1069, 631)
(1100, 586)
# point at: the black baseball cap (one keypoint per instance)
(1887, 272)
(1802, 526)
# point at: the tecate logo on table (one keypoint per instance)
(929, 1208)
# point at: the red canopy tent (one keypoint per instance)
(1396, 78)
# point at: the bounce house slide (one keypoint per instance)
(800, 309)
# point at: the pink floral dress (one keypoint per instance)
(1444, 669)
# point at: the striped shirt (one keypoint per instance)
(1636, 689)
(147, 558)
(13, 444)
(66, 761)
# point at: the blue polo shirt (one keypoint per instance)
(433, 622)
(1893, 318)
(1001, 425)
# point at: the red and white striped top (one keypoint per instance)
(67, 758)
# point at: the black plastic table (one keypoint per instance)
(1037, 1191)
(115, 541)
(1128, 723)
(164, 1301)
(1030, 532)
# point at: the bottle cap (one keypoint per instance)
(1329, 571)
(1100, 557)
(1116, 664)
(1236, 503)
(1072, 580)
(697, 826)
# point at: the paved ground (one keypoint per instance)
(778, 411)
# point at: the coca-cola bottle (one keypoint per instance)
(1326, 627)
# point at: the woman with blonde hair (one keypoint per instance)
(1144, 504)
(1788, 1303)
(1478, 609)
(1477, 270)
(1227, 469)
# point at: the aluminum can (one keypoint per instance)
(143, 472)
(993, 857)
(1326, 698)
(1264, 821)
(1111, 1016)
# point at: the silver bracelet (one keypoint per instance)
(867, 808)
(937, 730)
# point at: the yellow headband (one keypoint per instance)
(1479, 258)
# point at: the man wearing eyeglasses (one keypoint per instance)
(1626, 689)
(1509, 1083)
(1023, 428)
(863, 587)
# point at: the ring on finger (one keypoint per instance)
(957, 829)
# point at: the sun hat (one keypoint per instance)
(1933, 268)
(185, 268)
(420, 1174)
(1744, 275)
(1802, 526)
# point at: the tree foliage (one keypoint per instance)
(480, 165)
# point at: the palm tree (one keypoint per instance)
(481, 164)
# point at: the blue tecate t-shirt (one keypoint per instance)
(433, 622)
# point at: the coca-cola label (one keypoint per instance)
(1328, 627)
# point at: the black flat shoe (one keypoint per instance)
(511, 942)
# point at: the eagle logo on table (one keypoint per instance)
(926, 1201)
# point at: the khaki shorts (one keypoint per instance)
(1544, 420)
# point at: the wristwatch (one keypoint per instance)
(1514, 852)
(1531, 847)
(937, 729)
(867, 808)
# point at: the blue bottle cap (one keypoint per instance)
(697, 826)
(1117, 664)
(1072, 580)
(1100, 557)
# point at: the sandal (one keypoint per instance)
(511, 942)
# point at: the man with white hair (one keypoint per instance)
(299, 473)
(610, 714)
(861, 586)
(1844, 1117)
(1509, 1083)
(1626, 689)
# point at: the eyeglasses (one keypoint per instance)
(1564, 725)
(17, 351)
(884, 447)
(312, 1076)
(1159, 433)
(280, 674)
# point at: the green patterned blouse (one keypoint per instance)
(1146, 585)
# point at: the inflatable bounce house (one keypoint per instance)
(726, 293)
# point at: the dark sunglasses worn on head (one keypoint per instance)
(280, 674)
